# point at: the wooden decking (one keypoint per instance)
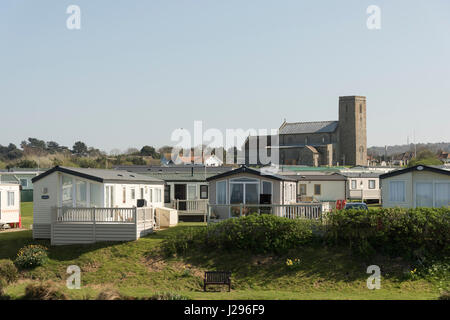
(89, 225)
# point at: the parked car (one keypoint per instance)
(356, 205)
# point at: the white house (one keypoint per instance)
(94, 196)
(417, 186)
(9, 203)
(213, 161)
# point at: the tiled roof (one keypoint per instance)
(308, 127)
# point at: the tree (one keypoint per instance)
(79, 148)
(425, 157)
(165, 149)
(26, 164)
(149, 152)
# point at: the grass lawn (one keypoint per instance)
(26, 209)
(137, 269)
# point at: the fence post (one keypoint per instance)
(209, 212)
(94, 226)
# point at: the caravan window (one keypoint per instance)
(221, 192)
(67, 191)
(10, 198)
(203, 192)
(397, 191)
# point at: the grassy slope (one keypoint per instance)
(136, 269)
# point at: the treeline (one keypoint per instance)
(33, 153)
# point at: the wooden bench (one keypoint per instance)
(218, 278)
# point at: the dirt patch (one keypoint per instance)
(90, 267)
(261, 260)
(155, 263)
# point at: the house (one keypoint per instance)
(363, 185)
(444, 157)
(417, 186)
(78, 205)
(23, 177)
(314, 143)
(402, 159)
(9, 203)
(186, 188)
(213, 161)
(322, 187)
(232, 190)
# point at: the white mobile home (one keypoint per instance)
(418, 186)
(364, 186)
(9, 203)
(186, 188)
(320, 187)
(245, 187)
(110, 204)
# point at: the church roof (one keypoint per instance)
(308, 127)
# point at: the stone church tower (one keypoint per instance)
(352, 131)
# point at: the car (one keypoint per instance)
(356, 206)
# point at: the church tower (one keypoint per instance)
(352, 131)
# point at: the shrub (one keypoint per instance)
(391, 230)
(168, 296)
(8, 271)
(3, 284)
(256, 233)
(44, 291)
(445, 295)
(31, 256)
(109, 295)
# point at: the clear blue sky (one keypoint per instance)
(137, 70)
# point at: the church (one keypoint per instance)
(319, 143)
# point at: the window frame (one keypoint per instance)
(226, 191)
(404, 191)
(320, 189)
(11, 198)
(202, 186)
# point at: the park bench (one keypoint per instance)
(217, 278)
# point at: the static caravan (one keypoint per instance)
(23, 177)
(186, 188)
(244, 189)
(9, 203)
(76, 205)
(417, 186)
(320, 187)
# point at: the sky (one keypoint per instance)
(137, 70)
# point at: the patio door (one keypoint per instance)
(180, 194)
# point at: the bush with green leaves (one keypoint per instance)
(256, 233)
(8, 271)
(3, 285)
(393, 231)
(31, 256)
